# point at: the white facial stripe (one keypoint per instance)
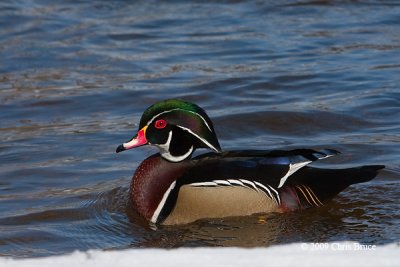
(164, 151)
(202, 139)
(175, 109)
(164, 148)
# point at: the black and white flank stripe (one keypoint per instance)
(268, 190)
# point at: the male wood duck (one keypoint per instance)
(171, 187)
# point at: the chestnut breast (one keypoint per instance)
(151, 180)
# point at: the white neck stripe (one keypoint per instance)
(169, 157)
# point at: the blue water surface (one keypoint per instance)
(75, 77)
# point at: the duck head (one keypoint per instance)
(177, 128)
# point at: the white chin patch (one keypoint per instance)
(164, 151)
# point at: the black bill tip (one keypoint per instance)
(120, 148)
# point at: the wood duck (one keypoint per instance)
(171, 187)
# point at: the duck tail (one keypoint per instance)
(314, 186)
(364, 174)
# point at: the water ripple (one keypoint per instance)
(76, 76)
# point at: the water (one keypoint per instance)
(75, 78)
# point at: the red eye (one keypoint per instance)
(160, 124)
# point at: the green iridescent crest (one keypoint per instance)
(185, 115)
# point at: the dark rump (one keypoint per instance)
(327, 183)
